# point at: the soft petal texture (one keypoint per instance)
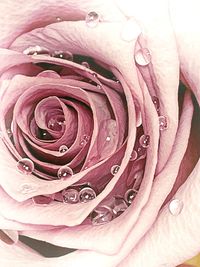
(77, 38)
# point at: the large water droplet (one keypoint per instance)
(144, 140)
(101, 215)
(70, 196)
(65, 172)
(63, 149)
(25, 166)
(114, 169)
(86, 194)
(92, 19)
(130, 195)
(162, 123)
(175, 207)
(143, 57)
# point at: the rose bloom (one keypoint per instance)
(99, 132)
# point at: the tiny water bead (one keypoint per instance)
(63, 55)
(134, 155)
(27, 188)
(156, 102)
(101, 215)
(143, 57)
(65, 172)
(36, 50)
(58, 19)
(114, 169)
(63, 149)
(25, 166)
(56, 123)
(85, 64)
(108, 138)
(86, 194)
(70, 196)
(92, 19)
(175, 207)
(130, 195)
(142, 152)
(85, 139)
(144, 140)
(42, 200)
(163, 125)
(9, 132)
(44, 135)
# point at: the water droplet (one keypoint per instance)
(108, 138)
(99, 86)
(85, 64)
(56, 123)
(36, 50)
(9, 132)
(130, 195)
(114, 169)
(63, 55)
(41, 200)
(27, 188)
(119, 205)
(63, 149)
(65, 172)
(101, 215)
(44, 135)
(86, 194)
(70, 196)
(133, 155)
(92, 19)
(175, 207)
(143, 57)
(162, 123)
(25, 166)
(58, 19)
(142, 152)
(84, 140)
(144, 140)
(156, 102)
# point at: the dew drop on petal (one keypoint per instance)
(162, 123)
(130, 195)
(114, 169)
(58, 19)
(85, 64)
(143, 57)
(144, 140)
(63, 149)
(101, 215)
(25, 166)
(134, 155)
(9, 132)
(108, 138)
(86, 194)
(63, 55)
(65, 172)
(36, 50)
(92, 19)
(156, 102)
(70, 196)
(175, 207)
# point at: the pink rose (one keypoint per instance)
(99, 143)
